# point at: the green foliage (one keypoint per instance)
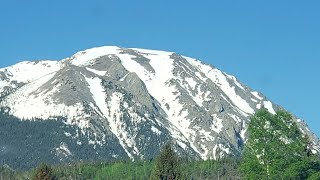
(44, 172)
(209, 169)
(315, 176)
(276, 148)
(6, 173)
(166, 165)
(226, 168)
(77, 171)
(303, 169)
(125, 170)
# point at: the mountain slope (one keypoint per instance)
(134, 99)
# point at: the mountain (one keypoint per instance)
(109, 103)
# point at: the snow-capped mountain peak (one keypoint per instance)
(136, 99)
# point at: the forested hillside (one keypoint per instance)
(276, 149)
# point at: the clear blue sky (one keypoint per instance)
(272, 46)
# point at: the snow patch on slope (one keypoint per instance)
(151, 52)
(116, 125)
(100, 73)
(112, 111)
(155, 130)
(219, 150)
(256, 94)
(191, 82)
(3, 84)
(98, 94)
(29, 71)
(182, 145)
(30, 102)
(86, 57)
(234, 79)
(268, 105)
(158, 86)
(63, 150)
(200, 97)
(220, 79)
(217, 124)
(163, 66)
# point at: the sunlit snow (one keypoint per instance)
(268, 105)
(84, 58)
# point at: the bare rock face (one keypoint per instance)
(120, 103)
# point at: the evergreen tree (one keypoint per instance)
(166, 165)
(308, 168)
(44, 172)
(275, 142)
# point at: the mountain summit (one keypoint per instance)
(119, 103)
